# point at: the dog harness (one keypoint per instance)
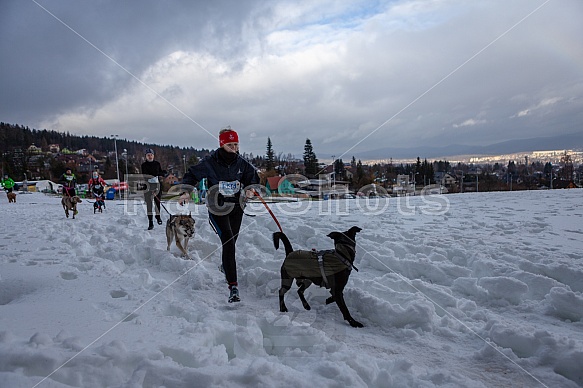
(320, 257)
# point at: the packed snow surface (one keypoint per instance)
(470, 290)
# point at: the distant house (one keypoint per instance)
(323, 188)
(54, 148)
(32, 149)
(445, 179)
(279, 185)
(403, 186)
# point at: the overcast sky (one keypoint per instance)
(372, 73)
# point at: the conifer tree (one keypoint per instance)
(339, 169)
(269, 157)
(310, 160)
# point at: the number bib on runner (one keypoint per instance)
(229, 189)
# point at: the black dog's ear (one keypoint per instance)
(351, 233)
(354, 230)
(334, 235)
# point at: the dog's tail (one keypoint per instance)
(281, 236)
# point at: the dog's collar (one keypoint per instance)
(337, 252)
(340, 248)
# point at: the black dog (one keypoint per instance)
(325, 268)
(98, 205)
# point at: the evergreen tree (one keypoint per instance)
(548, 168)
(269, 157)
(339, 169)
(310, 160)
(359, 173)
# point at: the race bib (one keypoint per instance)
(229, 189)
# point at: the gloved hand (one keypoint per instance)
(183, 199)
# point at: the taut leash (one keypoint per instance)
(268, 209)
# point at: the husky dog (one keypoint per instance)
(324, 268)
(181, 228)
(70, 203)
(11, 197)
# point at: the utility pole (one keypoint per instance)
(125, 152)
(462, 183)
(117, 166)
(184, 163)
(334, 172)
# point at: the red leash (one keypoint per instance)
(268, 209)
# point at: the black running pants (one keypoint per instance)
(227, 227)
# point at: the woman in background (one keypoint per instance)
(153, 173)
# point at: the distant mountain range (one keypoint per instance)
(572, 141)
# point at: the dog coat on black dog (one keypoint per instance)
(327, 268)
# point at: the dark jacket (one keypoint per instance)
(152, 168)
(68, 180)
(216, 168)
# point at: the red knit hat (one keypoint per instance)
(227, 137)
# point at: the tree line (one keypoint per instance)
(15, 141)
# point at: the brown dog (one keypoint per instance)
(11, 197)
(70, 203)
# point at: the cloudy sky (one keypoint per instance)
(349, 75)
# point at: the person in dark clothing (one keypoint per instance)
(69, 182)
(96, 186)
(227, 174)
(153, 173)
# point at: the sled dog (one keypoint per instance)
(330, 268)
(70, 203)
(11, 197)
(181, 229)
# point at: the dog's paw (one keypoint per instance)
(355, 323)
(283, 309)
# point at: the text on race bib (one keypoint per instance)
(229, 189)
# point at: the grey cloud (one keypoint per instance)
(365, 66)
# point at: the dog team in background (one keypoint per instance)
(8, 185)
(232, 180)
(96, 187)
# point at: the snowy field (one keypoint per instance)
(472, 290)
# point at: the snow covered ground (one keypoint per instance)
(472, 290)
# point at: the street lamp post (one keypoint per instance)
(334, 172)
(117, 165)
(184, 163)
(551, 184)
(125, 154)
